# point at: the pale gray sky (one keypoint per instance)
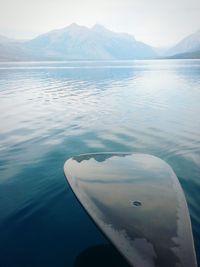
(156, 22)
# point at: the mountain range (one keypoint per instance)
(189, 44)
(76, 42)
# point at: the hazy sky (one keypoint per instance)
(156, 22)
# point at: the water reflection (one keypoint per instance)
(100, 157)
(155, 232)
(51, 111)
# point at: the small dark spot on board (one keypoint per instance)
(137, 203)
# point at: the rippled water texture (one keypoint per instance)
(52, 111)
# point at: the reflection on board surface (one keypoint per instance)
(137, 201)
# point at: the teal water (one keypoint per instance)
(52, 111)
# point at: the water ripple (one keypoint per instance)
(52, 111)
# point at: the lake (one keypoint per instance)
(50, 111)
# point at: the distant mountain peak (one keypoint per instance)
(72, 29)
(99, 27)
(83, 43)
(190, 43)
(74, 26)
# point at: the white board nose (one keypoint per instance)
(138, 203)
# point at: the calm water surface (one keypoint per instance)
(52, 111)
